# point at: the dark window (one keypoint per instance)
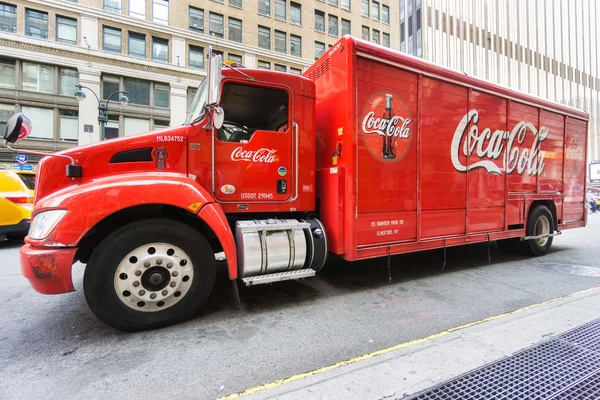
(36, 24)
(264, 37)
(375, 10)
(137, 45)
(237, 3)
(160, 49)
(346, 27)
(252, 108)
(386, 40)
(280, 68)
(196, 19)
(376, 38)
(280, 42)
(264, 7)
(110, 84)
(295, 13)
(66, 30)
(216, 25)
(319, 21)
(235, 58)
(364, 9)
(346, 4)
(333, 25)
(112, 5)
(296, 45)
(196, 57)
(319, 49)
(161, 95)
(385, 14)
(280, 9)
(111, 39)
(235, 30)
(8, 18)
(365, 33)
(138, 91)
(296, 71)
(264, 64)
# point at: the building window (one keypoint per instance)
(235, 58)
(111, 39)
(386, 39)
(191, 93)
(295, 71)
(333, 25)
(376, 36)
(364, 8)
(38, 78)
(112, 6)
(160, 11)
(160, 49)
(8, 18)
(319, 49)
(319, 21)
(264, 64)
(235, 30)
(237, 3)
(196, 57)
(111, 129)
(280, 68)
(346, 4)
(43, 117)
(110, 84)
(264, 37)
(280, 42)
(69, 125)
(8, 76)
(138, 91)
(134, 126)
(215, 25)
(346, 27)
(365, 33)
(385, 14)
(6, 111)
(137, 8)
(161, 95)
(264, 7)
(159, 125)
(196, 19)
(280, 9)
(333, 2)
(296, 45)
(137, 45)
(68, 80)
(66, 30)
(295, 13)
(36, 24)
(375, 10)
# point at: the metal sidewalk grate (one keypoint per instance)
(564, 367)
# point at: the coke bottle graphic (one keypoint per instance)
(388, 151)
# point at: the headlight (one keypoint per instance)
(44, 223)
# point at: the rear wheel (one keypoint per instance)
(149, 274)
(540, 222)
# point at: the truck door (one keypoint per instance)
(253, 149)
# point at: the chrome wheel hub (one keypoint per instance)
(153, 277)
(542, 227)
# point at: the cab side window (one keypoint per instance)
(251, 108)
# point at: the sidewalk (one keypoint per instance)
(409, 368)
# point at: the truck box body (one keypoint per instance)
(463, 159)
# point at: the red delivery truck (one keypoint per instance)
(371, 153)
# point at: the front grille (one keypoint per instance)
(565, 367)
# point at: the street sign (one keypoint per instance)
(23, 167)
(22, 158)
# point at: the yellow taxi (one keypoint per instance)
(16, 202)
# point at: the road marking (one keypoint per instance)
(293, 378)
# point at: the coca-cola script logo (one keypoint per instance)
(263, 155)
(387, 126)
(489, 146)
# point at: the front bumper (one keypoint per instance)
(48, 269)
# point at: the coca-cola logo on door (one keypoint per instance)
(387, 126)
(263, 155)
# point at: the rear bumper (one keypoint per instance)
(48, 270)
(21, 227)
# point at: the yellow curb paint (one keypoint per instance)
(390, 349)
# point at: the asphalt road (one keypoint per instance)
(52, 347)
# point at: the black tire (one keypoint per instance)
(17, 237)
(99, 277)
(536, 217)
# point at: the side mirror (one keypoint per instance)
(218, 118)
(18, 127)
(214, 78)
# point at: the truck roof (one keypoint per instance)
(406, 61)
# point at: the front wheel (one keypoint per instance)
(149, 274)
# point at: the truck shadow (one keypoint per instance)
(339, 277)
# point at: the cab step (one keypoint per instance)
(279, 276)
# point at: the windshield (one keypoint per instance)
(198, 104)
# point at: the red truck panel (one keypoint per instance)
(454, 160)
